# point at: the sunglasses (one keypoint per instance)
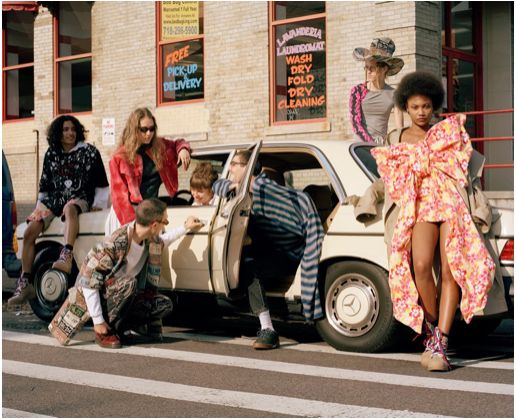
(370, 68)
(144, 130)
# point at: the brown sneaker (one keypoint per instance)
(439, 360)
(24, 291)
(109, 341)
(64, 263)
(22, 295)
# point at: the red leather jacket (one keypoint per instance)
(126, 178)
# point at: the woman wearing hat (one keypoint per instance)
(371, 103)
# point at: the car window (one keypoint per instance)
(362, 154)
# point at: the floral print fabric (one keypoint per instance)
(421, 179)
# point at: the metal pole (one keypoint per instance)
(37, 161)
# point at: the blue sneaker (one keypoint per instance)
(267, 339)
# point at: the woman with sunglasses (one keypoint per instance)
(141, 163)
(371, 103)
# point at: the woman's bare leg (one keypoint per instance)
(449, 288)
(424, 241)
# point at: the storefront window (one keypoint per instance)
(180, 51)
(299, 73)
(18, 64)
(73, 57)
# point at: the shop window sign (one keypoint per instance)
(182, 71)
(300, 50)
(179, 19)
(181, 51)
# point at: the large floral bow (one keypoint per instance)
(445, 149)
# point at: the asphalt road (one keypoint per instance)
(207, 368)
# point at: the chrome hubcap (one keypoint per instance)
(352, 305)
(53, 286)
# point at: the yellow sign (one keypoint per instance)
(179, 19)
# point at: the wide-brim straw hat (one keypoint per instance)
(381, 50)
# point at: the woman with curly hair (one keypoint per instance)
(73, 181)
(140, 164)
(430, 178)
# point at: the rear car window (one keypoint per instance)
(362, 154)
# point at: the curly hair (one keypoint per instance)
(203, 176)
(130, 137)
(419, 83)
(55, 131)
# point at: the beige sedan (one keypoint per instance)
(353, 268)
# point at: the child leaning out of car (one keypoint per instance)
(201, 182)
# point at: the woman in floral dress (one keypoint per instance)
(423, 173)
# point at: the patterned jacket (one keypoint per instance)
(126, 178)
(107, 257)
(77, 174)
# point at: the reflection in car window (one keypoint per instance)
(362, 154)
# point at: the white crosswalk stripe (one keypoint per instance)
(272, 404)
(12, 413)
(254, 401)
(284, 367)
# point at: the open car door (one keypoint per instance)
(229, 231)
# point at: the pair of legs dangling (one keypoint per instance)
(438, 318)
(24, 289)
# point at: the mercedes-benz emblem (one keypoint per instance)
(351, 305)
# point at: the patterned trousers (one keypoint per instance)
(127, 307)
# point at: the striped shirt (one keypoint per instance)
(289, 221)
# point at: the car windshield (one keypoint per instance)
(362, 154)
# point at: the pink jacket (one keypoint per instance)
(126, 178)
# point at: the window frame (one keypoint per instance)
(474, 58)
(272, 64)
(6, 69)
(159, 57)
(58, 60)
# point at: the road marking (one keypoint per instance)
(238, 399)
(11, 413)
(275, 366)
(306, 347)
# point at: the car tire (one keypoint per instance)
(51, 286)
(358, 308)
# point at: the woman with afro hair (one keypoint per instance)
(73, 181)
(428, 179)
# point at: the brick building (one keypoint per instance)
(100, 60)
